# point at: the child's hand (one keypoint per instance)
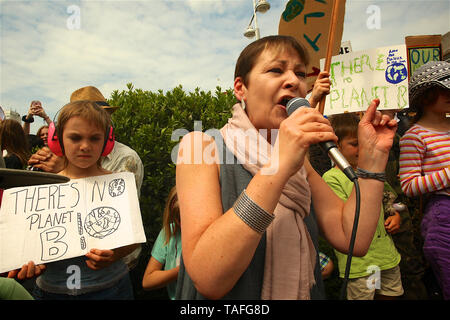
(320, 89)
(27, 271)
(392, 223)
(99, 259)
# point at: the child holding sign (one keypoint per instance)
(162, 269)
(83, 135)
(425, 162)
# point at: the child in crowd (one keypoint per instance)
(82, 131)
(382, 255)
(425, 162)
(162, 269)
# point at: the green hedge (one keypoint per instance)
(145, 122)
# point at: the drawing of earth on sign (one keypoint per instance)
(293, 9)
(396, 73)
(116, 187)
(101, 222)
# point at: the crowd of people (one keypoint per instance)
(250, 228)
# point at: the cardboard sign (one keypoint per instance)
(308, 21)
(359, 77)
(52, 222)
(422, 49)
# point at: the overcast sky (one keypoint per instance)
(159, 44)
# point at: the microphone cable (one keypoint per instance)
(352, 240)
(330, 148)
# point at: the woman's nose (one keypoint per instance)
(292, 80)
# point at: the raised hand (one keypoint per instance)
(376, 133)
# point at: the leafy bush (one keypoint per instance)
(145, 122)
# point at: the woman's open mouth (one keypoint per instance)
(284, 101)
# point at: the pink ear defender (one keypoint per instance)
(53, 140)
(109, 142)
(56, 146)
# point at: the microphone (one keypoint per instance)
(327, 146)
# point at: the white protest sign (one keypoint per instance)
(359, 77)
(52, 222)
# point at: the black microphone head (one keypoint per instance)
(296, 103)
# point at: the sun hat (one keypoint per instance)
(431, 74)
(92, 94)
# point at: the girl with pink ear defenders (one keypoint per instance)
(54, 139)
(82, 135)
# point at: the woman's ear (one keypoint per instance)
(239, 88)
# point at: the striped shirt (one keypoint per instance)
(425, 161)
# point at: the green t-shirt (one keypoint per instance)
(168, 255)
(382, 252)
(10, 289)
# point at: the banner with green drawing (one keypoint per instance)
(359, 77)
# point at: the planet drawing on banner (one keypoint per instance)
(101, 222)
(116, 187)
(396, 73)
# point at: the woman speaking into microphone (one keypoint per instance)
(242, 221)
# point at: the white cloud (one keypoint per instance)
(398, 19)
(159, 44)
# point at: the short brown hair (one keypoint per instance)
(250, 54)
(87, 110)
(344, 125)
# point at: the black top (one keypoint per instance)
(13, 162)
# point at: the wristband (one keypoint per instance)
(252, 214)
(380, 176)
(30, 120)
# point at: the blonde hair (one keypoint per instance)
(171, 216)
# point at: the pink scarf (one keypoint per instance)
(290, 254)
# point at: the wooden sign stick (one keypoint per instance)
(334, 17)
